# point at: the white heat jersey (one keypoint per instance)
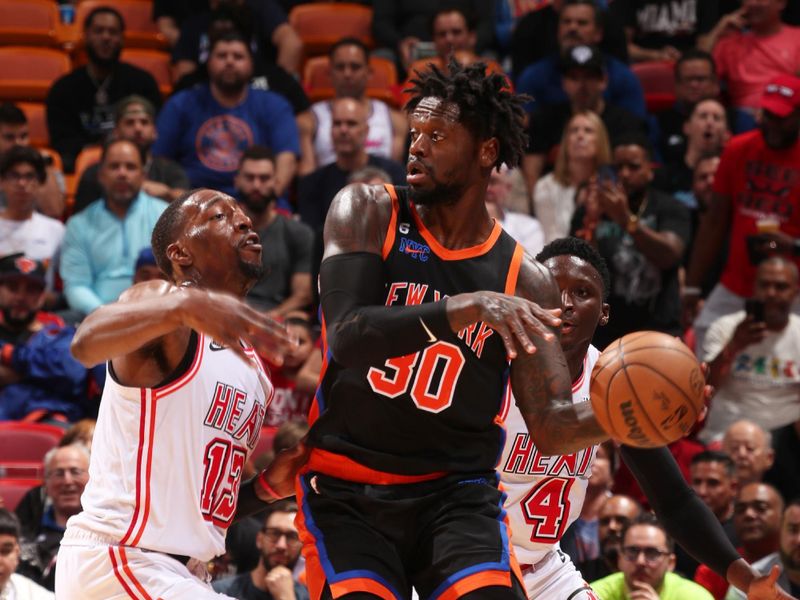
(167, 462)
(379, 137)
(544, 493)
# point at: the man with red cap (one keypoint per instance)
(756, 204)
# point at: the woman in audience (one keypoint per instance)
(584, 149)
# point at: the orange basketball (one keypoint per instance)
(647, 389)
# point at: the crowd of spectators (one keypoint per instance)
(695, 207)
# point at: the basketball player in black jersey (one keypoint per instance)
(425, 299)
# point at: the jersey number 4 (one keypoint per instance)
(546, 509)
(223, 471)
(434, 372)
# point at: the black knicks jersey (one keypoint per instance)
(433, 411)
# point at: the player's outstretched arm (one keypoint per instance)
(273, 483)
(362, 330)
(155, 318)
(691, 523)
(541, 380)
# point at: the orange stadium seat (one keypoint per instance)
(320, 24)
(658, 82)
(382, 84)
(12, 491)
(140, 30)
(22, 441)
(155, 62)
(32, 22)
(36, 114)
(26, 73)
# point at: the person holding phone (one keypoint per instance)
(752, 355)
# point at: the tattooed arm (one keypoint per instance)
(541, 380)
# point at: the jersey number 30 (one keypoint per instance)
(431, 374)
(223, 470)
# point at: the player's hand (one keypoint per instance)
(280, 584)
(228, 319)
(516, 320)
(281, 472)
(642, 591)
(766, 587)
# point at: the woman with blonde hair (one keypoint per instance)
(584, 149)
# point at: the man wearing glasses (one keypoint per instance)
(646, 564)
(66, 472)
(279, 546)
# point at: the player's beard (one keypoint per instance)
(251, 271)
(441, 194)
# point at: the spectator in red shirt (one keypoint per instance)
(757, 186)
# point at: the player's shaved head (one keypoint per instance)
(169, 227)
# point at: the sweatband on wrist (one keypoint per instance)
(686, 518)
(361, 329)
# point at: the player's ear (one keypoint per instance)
(605, 315)
(178, 253)
(489, 151)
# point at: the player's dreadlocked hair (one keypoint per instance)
(487, 107)
(166, 231)
(572, 246)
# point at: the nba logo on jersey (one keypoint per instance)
(415, 250)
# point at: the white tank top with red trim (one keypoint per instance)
(167, 462)
(544, 494)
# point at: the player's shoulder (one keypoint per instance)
(147, 289)
(358, 219)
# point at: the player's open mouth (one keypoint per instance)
(567, 327)
(251, 242)
(415, 173)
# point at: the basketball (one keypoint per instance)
(647, 389)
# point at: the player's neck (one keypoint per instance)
(464, 224)
(575, 359)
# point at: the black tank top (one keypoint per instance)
(433, 411)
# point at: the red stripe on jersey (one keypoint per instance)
(503, 414)
(148, 469)
(388, 240)
(130, 574)
(513, 270)
(139, 454)
(337, 465)
(118, 574)
(576, 385)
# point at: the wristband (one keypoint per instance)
(262, 481)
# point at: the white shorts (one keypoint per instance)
(93, 570)
(555, 578)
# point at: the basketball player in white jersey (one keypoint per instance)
(545, 493)
(181, 411)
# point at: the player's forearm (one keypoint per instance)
(361, 329)
(740, 574)
(543, 391)
(120, 328)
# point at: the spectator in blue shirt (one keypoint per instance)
(579, 23)
(207, 128)
(102, 242)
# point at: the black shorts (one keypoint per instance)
(445, 537)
